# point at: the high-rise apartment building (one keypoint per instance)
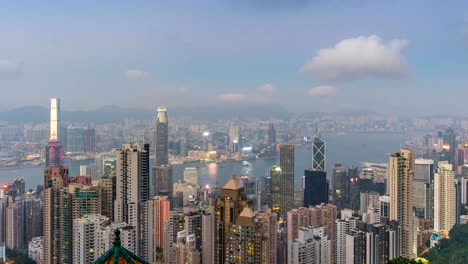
(401, 178)
(162, 214)
(89, 140)
(287, 179)
(444, 198)
(57, 216)
(228, 207)
(208, 236)
(172, 226)
(161, 137)
(316, 187)
(55, 127)
(33, 217)
(312, 246)
(106, 194)
(132, 186)
(84, 199)
(86, 237)
(15, 238)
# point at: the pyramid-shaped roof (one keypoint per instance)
(119, 255)
(247, 212)
(233, 184)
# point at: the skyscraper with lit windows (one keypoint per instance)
(287, 179)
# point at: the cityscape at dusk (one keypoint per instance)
(232, 132)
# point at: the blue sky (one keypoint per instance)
(392, 57)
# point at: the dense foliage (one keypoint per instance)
(453, 250)
(19, 257)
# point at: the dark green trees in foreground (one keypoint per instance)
(453, 250)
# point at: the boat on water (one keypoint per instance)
(245, 163)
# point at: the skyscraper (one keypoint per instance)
(54, 153)
(15, 225)
(275, 175)
(286, 179)
(162, 215)
(191, 175)
(318, 154)
(162, 180)
(340, 186)
(423, 175)
(161, 137)
(228, 207)
(57, 217)
(86, 236)
(271, 134)
(449, 140)
(75, 140)
(444, 198)
(132, 185)
(401, 177)
(55, 119)
(316, 187)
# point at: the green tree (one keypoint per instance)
(18, 257)
(402, 260)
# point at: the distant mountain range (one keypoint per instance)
(111, 114)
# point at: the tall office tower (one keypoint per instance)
(208, 236)
(266, 191)
(234, 138)
(316, 187)
(312, 246)
(32, 218)
(444, 198)
(461, 158)
(20, 186)
(15, 225)
(54, 153)
(423, 175)
(318, 154)
(401, 177)
(228, 207)
(286, 179)
(162, 180)
(162, 214)
(161, 137)
(172, 227)
(339, 186)
(191, 175)
(57, 216)
(464, 190)
(250, 187)
(90, 140)
(86, 237)
(352, 199)
(84, 199)
(75, 140)
(106, 190)
(55, 114)
(449, 139)
(271, 134)
(275, 175)
(132, 188)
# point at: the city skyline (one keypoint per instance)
(243, 52)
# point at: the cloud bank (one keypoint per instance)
(322, 90)
(136, 75)
(359, 57)
(265, 93)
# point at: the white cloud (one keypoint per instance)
(267, 90)
(137, 75)
(233, 97)
(264, 94)
(9, 67)
(323, 90)
(358, 58)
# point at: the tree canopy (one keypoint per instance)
(453, 250)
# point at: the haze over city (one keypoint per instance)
(306, 56)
